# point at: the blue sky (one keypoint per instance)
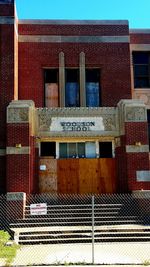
(136, 11)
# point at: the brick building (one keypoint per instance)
(74, 105)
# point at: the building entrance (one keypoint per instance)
(77, 176)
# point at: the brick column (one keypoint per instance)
(7, 33)
(20, 147)
(134, 168)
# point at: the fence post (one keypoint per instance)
(92, 229)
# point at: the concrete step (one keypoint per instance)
(84, 238)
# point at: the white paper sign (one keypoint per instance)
(38, 209)
(42, 167)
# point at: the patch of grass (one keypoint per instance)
(146, 263)
(7, 253)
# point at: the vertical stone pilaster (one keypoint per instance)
(61, 79)
(82, 80)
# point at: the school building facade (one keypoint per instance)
(74, 105)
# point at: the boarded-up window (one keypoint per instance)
(72, 88)
(92, 88)
(51, 88)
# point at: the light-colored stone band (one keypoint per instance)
(137, 148)
(144, 31)
(18, 150)
(6, 20)
(140, 47)
(74, 22)
(143, 176)
(73, 39)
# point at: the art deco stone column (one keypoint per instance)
(133, 150)
(61, 79)
(82, 80)
(20, 147)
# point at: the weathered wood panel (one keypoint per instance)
(51, 95)
(68, 178)
(88, 176)
(48, 177)
(78, 176)
(107, 174)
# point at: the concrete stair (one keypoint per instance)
(67, 223)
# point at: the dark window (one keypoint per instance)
(141, 67)
(51, 82)
(72, 88)
(48, 149)
(148, 120)
(92, 87)
(105, 149)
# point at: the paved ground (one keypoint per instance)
(80, 254)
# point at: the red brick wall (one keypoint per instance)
(18, 172)
(112, 59)
(136, 132)
(34, 158)
(139, 38)
(6, 80)
(18, 133)
(6, 10)
(137, 161)
(121, 166)
(2, 174)
(87, 30)
(21, 168)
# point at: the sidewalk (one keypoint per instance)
(81, 254)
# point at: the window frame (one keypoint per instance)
(141, 76)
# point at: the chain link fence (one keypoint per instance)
(76, 229)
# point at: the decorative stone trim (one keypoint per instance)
(72, 39)
(88, 135)
(140, 47)
(108, 115)
(6, 20)
(20, 111)
(74, 22)
(82, 79)
(142, 94)
(135, 114)
(137, 148)
(131, 111)
(15, 196)
(16, 115)
(62, 78)
(18, 150)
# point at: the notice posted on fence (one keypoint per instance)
(38, 209)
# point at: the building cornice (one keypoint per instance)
(73, 22)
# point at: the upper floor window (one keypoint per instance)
(141, 67)
(51, 82)
(92, 86)
(72, 88)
